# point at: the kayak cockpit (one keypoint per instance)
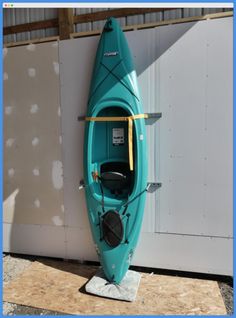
(110, 156)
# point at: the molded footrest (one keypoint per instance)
(126, 290)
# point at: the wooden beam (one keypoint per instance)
(116, 13)
(209, 16)
(66, 26)
(126, 28)
(34, 41)
(158, 24)
(53, 23)
(82, 18)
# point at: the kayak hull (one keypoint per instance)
(115, 207)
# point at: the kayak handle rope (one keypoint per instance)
(137, 196)
(99, 224)
(112, 281)
(103, 208)
(97, 177)
(130, 120)
(127, 229)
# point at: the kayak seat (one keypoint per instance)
(116, 177)
(114, 181)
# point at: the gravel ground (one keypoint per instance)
(14, 265)
(226, 290)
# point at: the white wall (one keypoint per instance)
(184, 71)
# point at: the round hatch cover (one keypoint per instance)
(112, 228)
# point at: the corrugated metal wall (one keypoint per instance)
(20, 16)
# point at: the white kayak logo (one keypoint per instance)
(111, 54)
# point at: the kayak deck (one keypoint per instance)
(115, 168)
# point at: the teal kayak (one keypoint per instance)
(115, 163)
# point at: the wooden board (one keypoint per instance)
(59, 286)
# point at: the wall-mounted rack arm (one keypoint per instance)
(153, 186)
(154, 115)
(81, 118)
(152, 118)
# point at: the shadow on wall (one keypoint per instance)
(161, 38)
(155, 42)
(19, 183)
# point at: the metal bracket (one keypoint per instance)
(154, 115)
(81, 118)
(152, 118)
(81, 184)
(153, 186)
